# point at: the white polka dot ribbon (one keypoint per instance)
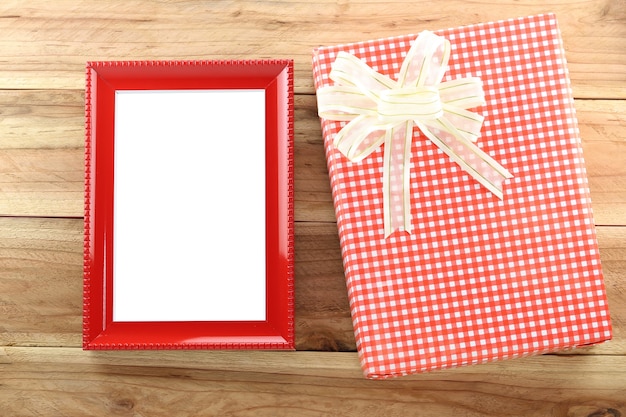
(380, 111)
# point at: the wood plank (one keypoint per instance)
(40, 282)
(35, 33)
(42, 119)
(323, 319)
(41, 285)
(43, 371)
(71, 382)
(603, 132)
(42, 182)
(41, 156)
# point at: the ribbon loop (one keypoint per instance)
(349, 70)
(382, 112)
(344, 103)
(360, 137)
(426, 62)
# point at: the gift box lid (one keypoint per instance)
(479, 278)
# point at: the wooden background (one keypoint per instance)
(43, 371)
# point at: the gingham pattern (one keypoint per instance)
(479, 279)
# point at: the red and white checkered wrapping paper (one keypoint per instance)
(479, 279)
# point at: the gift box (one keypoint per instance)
(461, 196)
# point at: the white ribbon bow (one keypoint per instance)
(380, 110)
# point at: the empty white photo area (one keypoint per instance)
(189, 206)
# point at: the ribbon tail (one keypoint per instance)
(482, 167)
(396, 179)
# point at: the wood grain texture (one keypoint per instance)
(41, 286)
(41, 182)
(70, 382)
(603, 132)
(43, 372)
(40, 281)
(41, 168)
(42, 119)
(37, 32)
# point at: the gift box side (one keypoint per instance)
(479, 279)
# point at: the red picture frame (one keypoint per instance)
(109, 85)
